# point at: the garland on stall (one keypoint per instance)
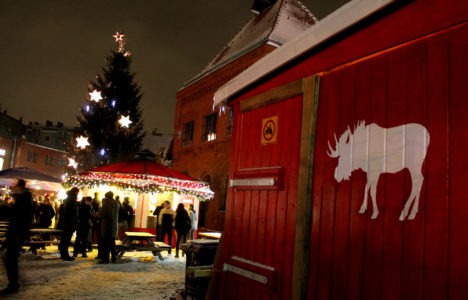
(140, 184)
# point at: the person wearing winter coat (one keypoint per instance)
(125, 217)
(194, 221)
(166, 222)
(45, 213)
(21, 218)
(182, 225)
(85, 215)
(109, 215)
(68, 222)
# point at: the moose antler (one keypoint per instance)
(332, 152)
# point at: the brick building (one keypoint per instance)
(203, 135)
(34, 146)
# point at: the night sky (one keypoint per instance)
(51, 50)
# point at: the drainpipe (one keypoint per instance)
(13, 151)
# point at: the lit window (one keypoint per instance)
(209, 128)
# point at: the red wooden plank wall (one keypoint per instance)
(355, 257)
(261, 224)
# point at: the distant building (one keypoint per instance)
(202, 143)
(55, 136)
(40, 158)
(161, 145)
(11, 130)
(35, 146)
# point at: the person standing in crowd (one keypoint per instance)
(125, 217)
(166, 222)
(96, 230)
(21, 218)
(85, 213)
(182, 225)
(109, 215)
(156, 213)
(193, 220)
(69, 221)
(56, 204)
(46, 213)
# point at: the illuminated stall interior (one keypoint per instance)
(146, 183)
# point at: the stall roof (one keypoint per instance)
(143, 176)
(342, 18)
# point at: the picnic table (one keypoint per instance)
(141, 241)
(41, 236)
(210, 235)
(38, 237)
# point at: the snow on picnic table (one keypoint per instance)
(138, 275)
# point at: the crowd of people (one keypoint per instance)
(91, 219)
(185, 223)
(104, 220)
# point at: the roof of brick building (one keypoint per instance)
(275, 25)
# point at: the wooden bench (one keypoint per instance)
(33, 245)
(140, 241)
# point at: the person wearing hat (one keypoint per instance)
(69, 221)
(20, 217)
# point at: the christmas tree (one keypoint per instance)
(110, 126)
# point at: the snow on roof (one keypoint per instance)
(275, 26)
(344, 17)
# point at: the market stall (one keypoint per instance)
(145, 182)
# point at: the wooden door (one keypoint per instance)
(259, 238)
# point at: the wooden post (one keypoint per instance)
(304, 200)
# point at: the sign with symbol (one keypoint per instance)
(269, 130)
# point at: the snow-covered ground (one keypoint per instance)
(137, 275)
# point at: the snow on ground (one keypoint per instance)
(138, 275)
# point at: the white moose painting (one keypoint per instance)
(377, 150)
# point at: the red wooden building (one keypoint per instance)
(202, 143)
(366, 107)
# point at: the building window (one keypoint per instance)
(29, 156)
(229, 127)
(34, 158)
(49, 160)
(187, 137)
(209, 128)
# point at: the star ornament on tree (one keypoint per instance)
(82, 142)
(95, 96)
(125, 121)
(72, 163)
(118, 36)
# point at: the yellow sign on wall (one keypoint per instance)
(269, 130)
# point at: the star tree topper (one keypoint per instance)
(120, 40)
(82, 142)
